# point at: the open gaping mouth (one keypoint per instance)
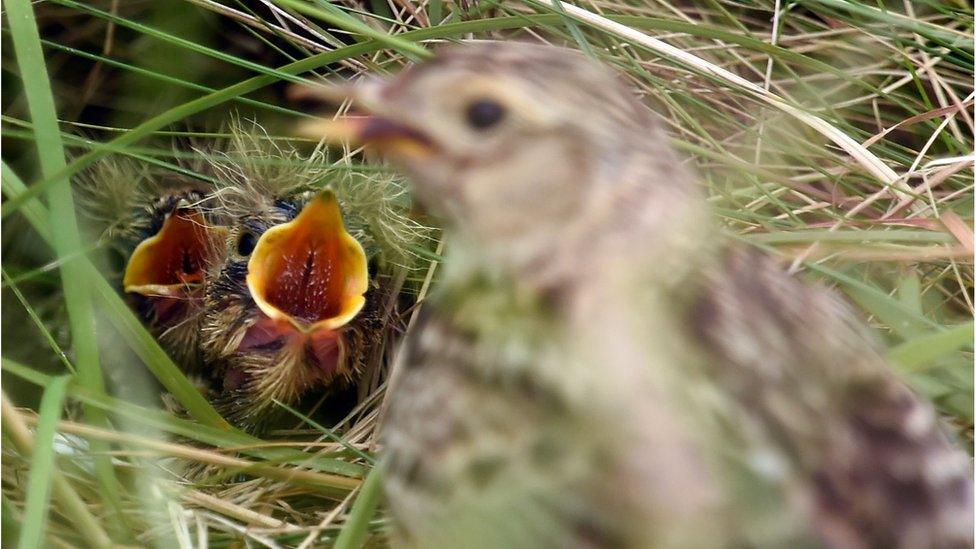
(309, 272)
(175, 258)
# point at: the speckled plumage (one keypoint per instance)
(600, 368)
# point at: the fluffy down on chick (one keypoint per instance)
(168, 237)
(268, 278)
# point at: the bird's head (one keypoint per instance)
(292, 281)
(171, 260)
(177, 240)
(499, 138)
(307, 272)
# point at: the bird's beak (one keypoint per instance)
(383, 134)
(165, 264)
(370, 126)
(309, 272)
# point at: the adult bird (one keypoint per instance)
(601, 368)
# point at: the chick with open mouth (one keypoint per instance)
(165, 272)
(166, 237)
(285, 310)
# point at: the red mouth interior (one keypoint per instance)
(307, 278)
(179, 256)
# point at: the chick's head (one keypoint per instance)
(281, 306)
(167, 238)
(165, 272)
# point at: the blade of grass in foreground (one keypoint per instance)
(354, 531)
(151, 354)
(213, 436)
(34, 212)
(63, 228)
(71, 504)
(42, 463)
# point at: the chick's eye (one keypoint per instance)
(484, 113)
(246, 243)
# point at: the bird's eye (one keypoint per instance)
(246, 243)
(482, 114)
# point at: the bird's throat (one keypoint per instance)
(322, 349)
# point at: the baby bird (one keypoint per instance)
(280, 306)
(600, 368)
(168, 237)
(292, 308)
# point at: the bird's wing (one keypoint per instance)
(880, 470)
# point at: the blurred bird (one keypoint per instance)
(600, 367)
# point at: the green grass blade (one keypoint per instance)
(910, 291)
(10, 520)
(928, 30)
(165, 77)
(78, 142)
(42, 464)
(181, 42)
(327, 432)
(35, 213)
(178, 113)
(71, 505)
(902, 319)
(335, 16)
(249, 85)
(213, 436)
(354, 532)
(435, 12)
(38, 323)
(916, 353)
(152, 355)
(63, 224)
(573, 29)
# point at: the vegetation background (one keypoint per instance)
(836, 133)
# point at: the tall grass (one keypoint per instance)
(836, 133)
